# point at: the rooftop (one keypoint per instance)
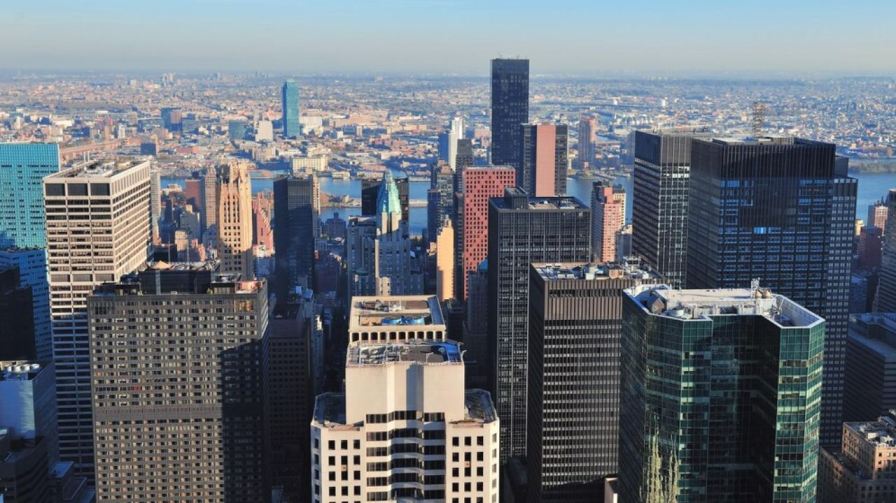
(99, 169)
(329, 409)
(662, 300)
(390, 311)
(414, 351)
(881, 433)
(631, 269)
(478, 407)
(19, 370)
(508, 202)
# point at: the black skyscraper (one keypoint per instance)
(523, 230)
(780, 210)
(510, 109)
(296, 214)
(16, 317)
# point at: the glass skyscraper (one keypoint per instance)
(720, 397)
(297, 210)
(780, 210)
(510, 109)
(23, 167)
(290, 102)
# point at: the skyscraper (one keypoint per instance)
(587, 133)
(660, 210)
(98, 229)
(289, 98)
(478, 185)
(543, 160)
(445, 261)
(523, 229)
(510, 109)
(575, 328)
(440, 199)
(155, 205)
(32, 265)
(394, 274)
(405, 428)
(720, 396)
(877, 215)
(197, 419)
(870, 382)
(17, 341)
(296, 217)
(780, 210)
(210, 206)
(360, 254)
(862, 469)
(607, 220)
(23, 167)
(885, 302)
(455, 133)
(370, 191)
(234, 209)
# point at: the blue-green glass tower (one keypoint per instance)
(23, 167)
(290, 97)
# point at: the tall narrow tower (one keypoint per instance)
(290, 103)
(510, 109)
(235, 219)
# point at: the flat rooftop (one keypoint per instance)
(662, 300)
(99, 169)
(594, 270)
(540, 203)
(19, 370)
(209, 265)
(394, 311)
(414, 351)
(880, 433)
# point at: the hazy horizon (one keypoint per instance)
(639, 39)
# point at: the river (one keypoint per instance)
(872, 187)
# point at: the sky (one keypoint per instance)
(454, 37)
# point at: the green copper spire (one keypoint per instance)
(387, 200)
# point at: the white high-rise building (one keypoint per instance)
(98, 229)
(405, 429)
(456, 133)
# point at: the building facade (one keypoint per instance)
(17, 336)
(587, 137)
(869, 388)
(510, 109)
(523, 230)
(234, 240)
(607, 220)
(864, 469)
(98, 229)
(296, 228)
(32, 265)
(720, 396)
(23, 167)
(544, 159)
(289, 100)
(779, 209)
(190, 429)
(885, 301)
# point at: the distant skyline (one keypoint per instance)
(454, 37)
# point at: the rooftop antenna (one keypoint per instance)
(759, 111)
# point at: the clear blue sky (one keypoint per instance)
(581, 37)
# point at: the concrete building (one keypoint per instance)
(405, 429)
(478, 185)
(234, 198)
(192, 428)
(864, 469)
(32, 266)
(723, 388)
(445, 262)
(575, 329)
(870, 382)
(98, 230)
(544, 159)
(523, 230)
(607, 220)
(877, 215)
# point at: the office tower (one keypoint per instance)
(264, 131)
(445, 261)
(296, 216)
(198, 417)
(17, 336)
(862, 469)
(869, 388)
(510, 109)
(440, 199)
(288, 394)
(28, 448)
(23, 167)
(781, 210)
(523, 229)
(607, 219)
(543, 160)
(869, 248)
(464, 158)
(587, 135)
(443, 140)
(370, 192)
(393, 271)
(98, 229)
(455, 133)
(360, 255)
(155, 195)
(172, 118)
(476, 328)
(234, 209)
(405, 428)
(885, 302)
(32, 266)
(624, 243)
(478, 185)
(877, 215)
(262, 214)
(720, 396)
(210, 206)
(237, 130)
(575, 328)
(660, 196)
(290, 103)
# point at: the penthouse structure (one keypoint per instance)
(864, 469)
(98, 230)
(190, 429)
(720, 397)
(405, 429)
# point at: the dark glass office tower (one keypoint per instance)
(885, 302)
(720, 397)
(17, 340)
(290, 113)
(780, 210)
(544, 157)
(521, 230)
(440, 199)
(370, 191)
(296, 215)
(660, 204)
(575, 328)
(510, 109)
